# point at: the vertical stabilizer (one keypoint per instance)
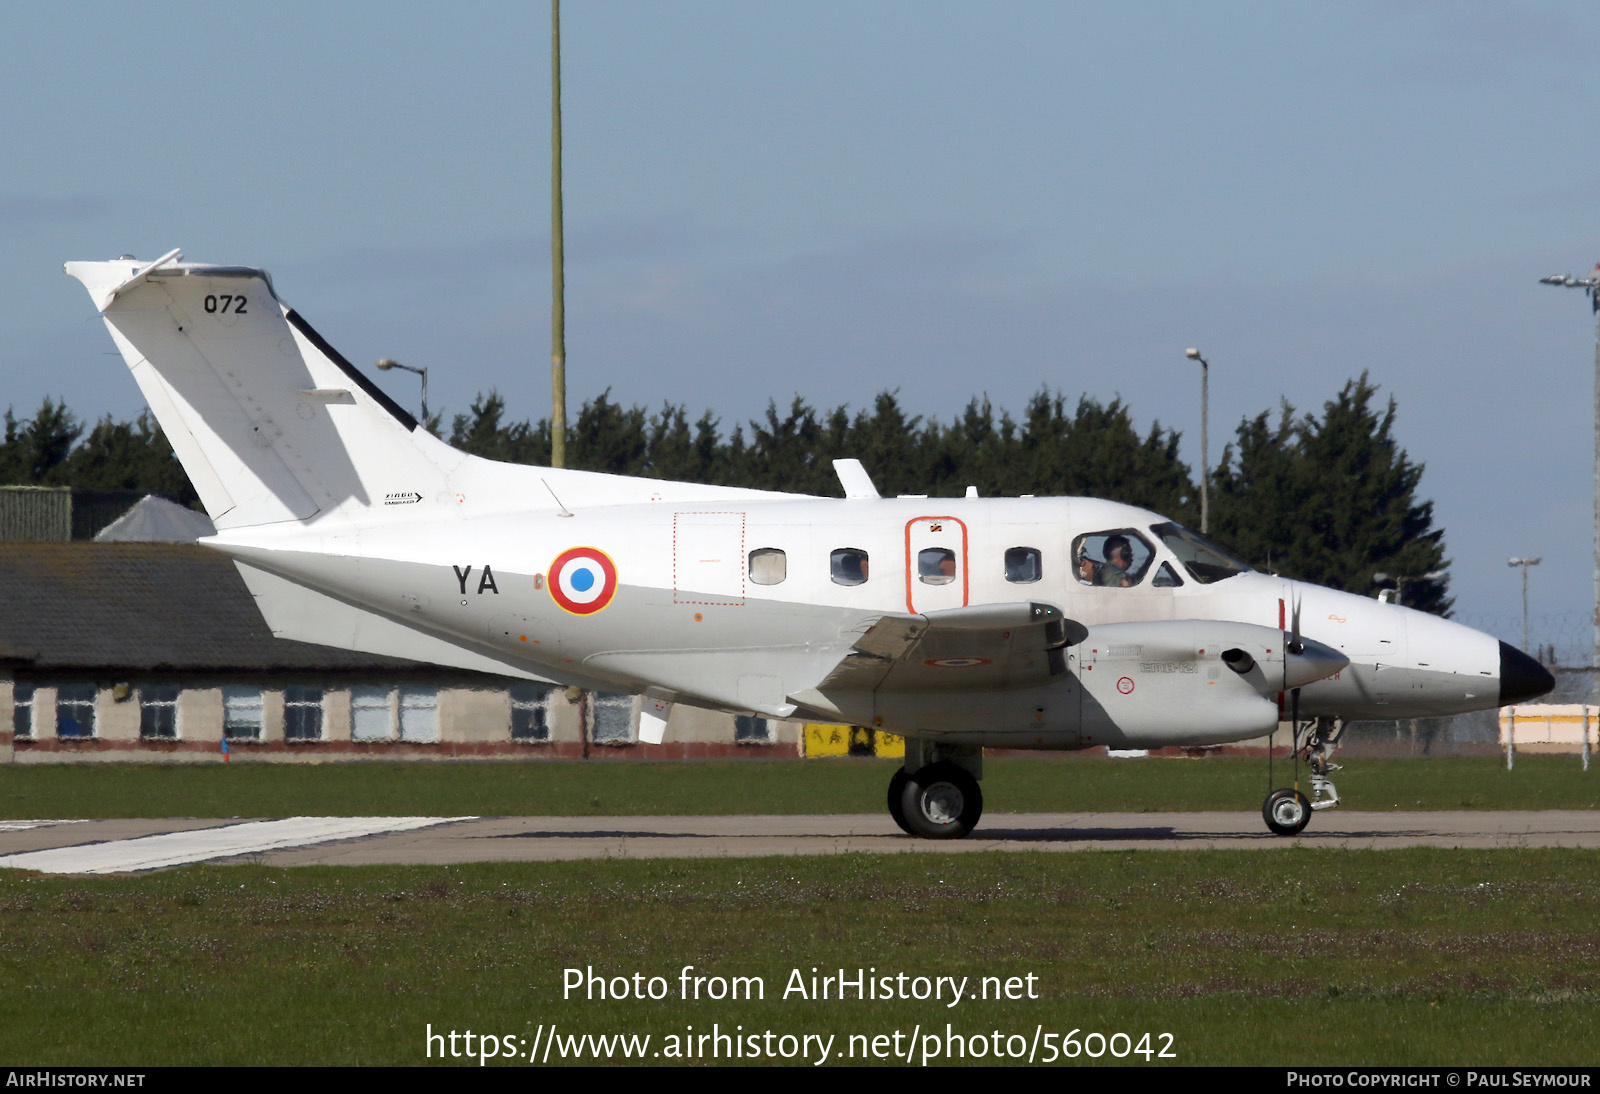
(269, 421)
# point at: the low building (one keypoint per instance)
(155, 651)
(1549, 727)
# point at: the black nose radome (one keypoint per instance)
(1521, 677)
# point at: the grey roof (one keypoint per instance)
(148, 607)
(154, 519)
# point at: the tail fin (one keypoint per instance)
(270, 422)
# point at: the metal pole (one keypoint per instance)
(1586, 737)
(1524, 563)
(1594, 675)
(1511, 737)
(1524, 608)
(558, 317)
(1205, 461)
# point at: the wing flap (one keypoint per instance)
(986, 647)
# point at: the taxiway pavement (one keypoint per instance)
(120, 846)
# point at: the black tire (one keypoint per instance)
(941, 801)
(1286, 811)
(897, 789)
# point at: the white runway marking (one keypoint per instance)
(24, 825)
(178, 848)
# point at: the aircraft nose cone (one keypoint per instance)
(1521, 677)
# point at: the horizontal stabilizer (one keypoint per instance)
(294, 611)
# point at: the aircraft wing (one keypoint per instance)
(983, 647)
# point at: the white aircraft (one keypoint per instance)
(1035, 623)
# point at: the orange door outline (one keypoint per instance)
(911, 572)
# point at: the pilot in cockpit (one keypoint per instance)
(1119, 563)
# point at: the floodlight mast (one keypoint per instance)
(1205, 473)
(1589, 285)
(558, 278)
(1524, 563)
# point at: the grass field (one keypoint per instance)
(1011, 784)
(1283, 957)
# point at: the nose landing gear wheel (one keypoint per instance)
(1286, 811)
(897, 788)
(941, 801)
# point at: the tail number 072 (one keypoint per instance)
(225, 304)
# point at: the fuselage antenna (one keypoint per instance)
(565, 512)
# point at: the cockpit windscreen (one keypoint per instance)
(1205, 561)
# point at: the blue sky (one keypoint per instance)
(831, 199)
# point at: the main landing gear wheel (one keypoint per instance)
(1287, 812)
(897, 788)
(941, 801)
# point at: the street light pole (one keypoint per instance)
(1524, 563)
(1205, 473)
(1589, 285)
(386, 364)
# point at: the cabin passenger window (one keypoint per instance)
(849, 566)
(936, 565)
(1023, 565)
(1116, 559)
(768, 566)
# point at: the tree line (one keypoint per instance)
(1330, 497)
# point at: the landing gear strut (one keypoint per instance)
(935, 795)
(1287, 811)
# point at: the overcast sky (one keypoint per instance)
(827, 200)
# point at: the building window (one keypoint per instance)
(370, 719)
(849, 566)
(242, 713)
(768, 566)
(302, 713)
(21, 709)
(1023, 565)
(419, 714)
(751, 730)
(75, 710)
(158, 712)
(610, 718)
(530, 713)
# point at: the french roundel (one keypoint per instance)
(583, 580)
